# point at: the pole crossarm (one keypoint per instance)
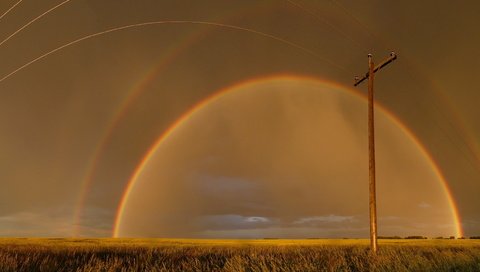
(392, 57)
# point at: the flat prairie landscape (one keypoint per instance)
(52, 254)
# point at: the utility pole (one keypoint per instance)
(371, 144)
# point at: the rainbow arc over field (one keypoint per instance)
(215, 96)
(176, 49)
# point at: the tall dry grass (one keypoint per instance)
(185, 255)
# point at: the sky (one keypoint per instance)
(236, 119)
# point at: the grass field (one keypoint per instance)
(31, 254)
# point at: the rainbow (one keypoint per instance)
(176, 49)
(215, 96)
(167, 57)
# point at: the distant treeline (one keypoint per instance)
(390, 237)
(423, 237)
(407, 237)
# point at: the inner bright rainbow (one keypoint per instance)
(204, 103)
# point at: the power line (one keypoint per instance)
(32, 21)
(10, 9)
(233, 27)
(315, 15)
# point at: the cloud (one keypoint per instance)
(257, 219)
(55, 222)
(424, 205)
(235, 222)
(44, 223)
(324, 219)
(95, 222)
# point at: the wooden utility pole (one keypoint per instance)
(371, 143)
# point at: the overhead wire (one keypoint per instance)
(10, 9)
(233, 27)
(385, 43)
(32, 21)
(332, 26)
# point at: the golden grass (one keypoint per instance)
(36, 254)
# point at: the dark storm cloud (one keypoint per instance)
(94, 222)
(44, 222)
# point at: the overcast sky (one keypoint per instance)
(76, 123)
